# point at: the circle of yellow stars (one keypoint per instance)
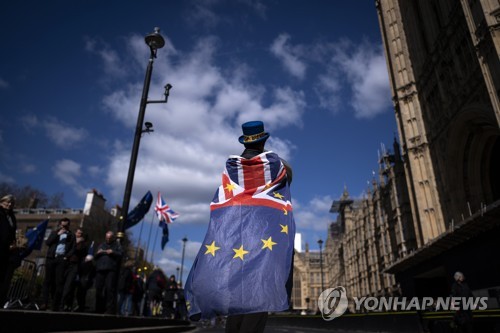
(240, 253)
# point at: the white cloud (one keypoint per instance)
(197, 129)
(28, 168)
(174, 251)
(327, 90)
(256, 5)
(343, 67)
(112, 64)
(202, 13)
(5, 178)
(365, 70)
(69, 173)
(288, 56)
(30, 122)
(95, 170)
(4, 84)
(314, 215)
(59, 132)
(207, 13)
(62, 134)
(171, 258)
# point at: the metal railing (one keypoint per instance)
(24, 288)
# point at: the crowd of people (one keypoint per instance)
(73, 267)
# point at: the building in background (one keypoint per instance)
(371, 233)
(435, 207)
(92, 218)
(307, 280)
(444, 68)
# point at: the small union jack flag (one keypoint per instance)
(163, 211)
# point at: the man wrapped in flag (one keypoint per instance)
(165, 215)
(244, 267)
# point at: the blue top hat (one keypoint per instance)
(253, 132)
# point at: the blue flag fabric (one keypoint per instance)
(164, 238)
(138, 213)
(35, 238)
(247, 255)
(90, 252)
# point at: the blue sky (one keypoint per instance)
(71, 77)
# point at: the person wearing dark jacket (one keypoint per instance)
(86, 275)
(74, 262)
(137, 294)
(8, 227)
(462, 317)
(170, 297)
(107, 259)
(61, 243)
(126, 289)
(155, 285)
(180, 306)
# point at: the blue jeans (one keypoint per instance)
(124, 304)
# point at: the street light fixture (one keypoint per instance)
(320, 243)
(155, 41)
(184, 240)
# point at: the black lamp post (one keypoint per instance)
(184, 240)
(155, 41)
(320, 243)
(177, 276)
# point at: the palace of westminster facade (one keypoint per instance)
(434, 207)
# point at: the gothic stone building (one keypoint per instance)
(308, 269)
(444, 69)
(372, 233)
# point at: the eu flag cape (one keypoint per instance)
(247, 255)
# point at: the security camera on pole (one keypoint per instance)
(155, 41)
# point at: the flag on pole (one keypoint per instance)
(35, 238)
(165, 215)
(164, 212)
(164, 238)
(137, 214)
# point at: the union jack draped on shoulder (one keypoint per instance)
(258, 181)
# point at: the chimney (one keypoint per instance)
(33, 203)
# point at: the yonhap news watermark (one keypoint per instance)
(333, 303)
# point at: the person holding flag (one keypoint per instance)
(165, 215)
(34, 238)
(244, 267)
